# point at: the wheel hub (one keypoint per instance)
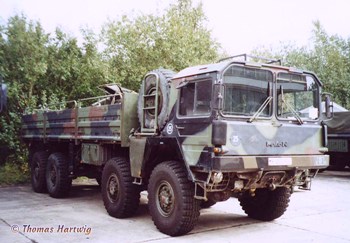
(166, 199)
(113, 187)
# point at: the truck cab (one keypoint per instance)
(242, 125)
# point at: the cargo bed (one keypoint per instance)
(105, 123)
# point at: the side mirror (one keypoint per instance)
(218, 96)
(328, 105)
(3, 95)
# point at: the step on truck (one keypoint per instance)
(235, 128)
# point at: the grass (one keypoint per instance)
(14, 174)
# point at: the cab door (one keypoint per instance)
(193, 121)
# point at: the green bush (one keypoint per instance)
(13, 174)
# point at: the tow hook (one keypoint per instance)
(272, 187)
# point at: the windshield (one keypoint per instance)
(297, 96)
(246, 90)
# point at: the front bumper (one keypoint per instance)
(269, 163)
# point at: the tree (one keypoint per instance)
(175, 39)
(45, 69)
(23, 57)
(331, 60)
(42, 70)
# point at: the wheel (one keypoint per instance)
(148, 87)
(38, 164)
(57, 176)
(120, 196)
(266, 205)
(171, 201)
(207, 204)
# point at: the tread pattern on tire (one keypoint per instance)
(190, 208)
(40, 157)
(130, 197)
(64, 183)
(266, 205)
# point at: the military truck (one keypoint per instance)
(191, 139)
(338, 140)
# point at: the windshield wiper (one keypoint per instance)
(296, 115)
(261, 109)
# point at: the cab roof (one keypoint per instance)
(201, 69)
(221, 66)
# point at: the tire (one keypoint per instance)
(147, 88)
(171, 201)
(38, 164)
(266, 205)
(57, 176)
(121, 197)
(207, 204)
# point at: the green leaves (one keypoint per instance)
(43, 69)
(175, 39)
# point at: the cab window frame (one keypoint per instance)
(269, 89)
(198, 106)
(315, 93)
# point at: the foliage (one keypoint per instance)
(45, 69)
(23, 56)
(12, 173)
(174, 40)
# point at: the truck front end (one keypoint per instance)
(266, 132)
(233, 129)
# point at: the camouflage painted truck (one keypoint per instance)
(190, 139)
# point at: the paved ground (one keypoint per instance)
(319, 215)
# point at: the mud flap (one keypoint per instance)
(137, 150)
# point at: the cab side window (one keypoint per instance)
(195, 98)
